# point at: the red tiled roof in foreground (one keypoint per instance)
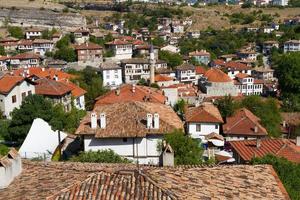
(50, 87)
(247, 149)
(122, 181)
(216, 75)
(243, 122)
(76, 90)
(8, 82)
(206, 112)
(126, 93)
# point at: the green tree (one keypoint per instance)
(15, 32)
(2, 51)
(158, 41)
(267, 110)
(226, 106)
(287, 69)
(187, 151)
(172, 59)
(287, 171)
(3, 150)
(101, 156)
(179, 107)
(66, 53)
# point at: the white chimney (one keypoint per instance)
(258, 143)
(255, 129)
(284, 124)
(102, 120)
(117, 91)
(149, 120)
(156, 120)
(55, 77)
(298, 141)
(93, 120)
(43, 69)
(133, 88)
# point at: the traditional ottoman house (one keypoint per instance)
(131, 129)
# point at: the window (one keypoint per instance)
(124, 139)
(198, 127)
(29, 92)
(14, 99)
(216, 126)
(23, 95)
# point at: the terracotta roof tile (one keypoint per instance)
(247, 149)
(26, 55)
(243, 122)
(50, 87)
(232, 65)
(90, 46)
(126, 93)
(8, 82)
(129, 120)
(123, 181)
(200, 70)
(206, 112)
(242, 75)
(162, 78)
(75, 89)
(216, 75)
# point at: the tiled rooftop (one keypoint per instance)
(206, 112)
(58, 180)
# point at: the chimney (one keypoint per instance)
(102, 120)
(149, 120)
(133, 88)
(55, 77)
(117, 91)
(284, 124)
(298, 141)
(93, 120)
(258, 143)
(43, 69)
(156, 121)
(255, 129)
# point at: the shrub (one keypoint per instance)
(100, 156)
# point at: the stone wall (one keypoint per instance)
(41, 18)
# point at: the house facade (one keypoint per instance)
(41, 46)
(291, 45)
(121, 49)
(111, 74)
(186, 73)
(25, 60)
(137, 68)
(203, 120)
(33, 33)
(131, 129)
(202, 56)
(13, 90)
(247, 85)
(89, 54)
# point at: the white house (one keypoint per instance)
(269, 45)
(47, 139)
(291, 45)
(13, 90)
(203, 120)
(3, 63)
(137, 68)
(186, 73)
(247, 85)
(234, 68)
(41, 46)
(33, 33)
(81, 35)
(131, 129)
(247, 55)
(111, 74)
(77, 94)
(121, 49)
(25, 60)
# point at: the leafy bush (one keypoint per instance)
(287, 171)
(100, 156)
(173, 59)
(15, 32)
(3, 150)
(187, 151)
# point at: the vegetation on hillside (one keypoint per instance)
(172, 59)
(65, 52)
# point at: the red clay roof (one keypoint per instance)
(117, 42)
(247, 149)
(206, 112)
(90, 46)
(200, 70)
(236, 66)
(76, 90)
(45, 73)
(51, 88)
(8, 82)
(216, 75)
(242, 75)
(162, 78)
(243, 122)
(141, 93)
(25, 55)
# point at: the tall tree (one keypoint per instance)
(227, 106)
